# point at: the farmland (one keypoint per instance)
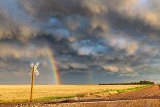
(21, 93)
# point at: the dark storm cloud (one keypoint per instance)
(115, 36)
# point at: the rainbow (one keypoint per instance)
(54, 66)
(89, 77)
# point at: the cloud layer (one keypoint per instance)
(116, 38)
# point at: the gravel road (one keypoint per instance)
(152, 92)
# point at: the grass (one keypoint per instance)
(21, 93)
(126, 90)
(53, 98)
(93, 94)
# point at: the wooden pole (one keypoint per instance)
(32, 83)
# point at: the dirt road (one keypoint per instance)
(148, 97)
(152, 92)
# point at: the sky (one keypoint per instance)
(87, 41)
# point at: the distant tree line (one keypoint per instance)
(131, 83)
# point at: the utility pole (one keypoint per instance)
(34, 70)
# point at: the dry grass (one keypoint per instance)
(12, 93)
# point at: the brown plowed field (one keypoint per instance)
(148, 97)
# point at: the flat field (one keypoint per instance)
(18, 93)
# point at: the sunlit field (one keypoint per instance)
(14, 93)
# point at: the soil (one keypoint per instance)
(148, 97)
